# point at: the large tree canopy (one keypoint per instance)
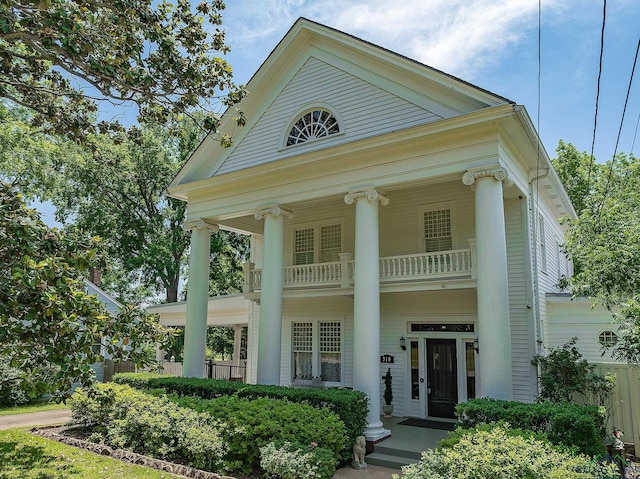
(46, 317)
(58, 57)
(604, 242)
(115, 190)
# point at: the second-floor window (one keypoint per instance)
(436, 225)
(321, 243)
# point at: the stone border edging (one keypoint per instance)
(56, 433)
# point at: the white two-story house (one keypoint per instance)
(396, 215)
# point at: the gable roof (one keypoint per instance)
(426, 93)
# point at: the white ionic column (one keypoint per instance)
(493, 325)
(270, 326)
(366, 310)
(195, 333)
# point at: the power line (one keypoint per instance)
(624, 111)
(595, 116)
(633, 143)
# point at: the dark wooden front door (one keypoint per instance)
(442, 377)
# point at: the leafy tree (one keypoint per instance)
(116, 190)
(573, 169)
(60, 57)
(46, 317)
(604, 241)
(220, 341)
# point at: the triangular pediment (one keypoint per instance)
(370, 90)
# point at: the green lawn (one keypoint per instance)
(35, 407)
(25, 456)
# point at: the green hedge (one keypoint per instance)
(247, 425)
(351, 406)
(573, 425)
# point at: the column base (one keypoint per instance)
(375, 432)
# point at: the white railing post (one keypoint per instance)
(248, 277)
(472, 246)
(345, 277)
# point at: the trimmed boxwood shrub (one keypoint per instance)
(351, 406)
(247, 425)
(573, 425)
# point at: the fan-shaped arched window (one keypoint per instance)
(313, 125)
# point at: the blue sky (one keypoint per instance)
(491, 43)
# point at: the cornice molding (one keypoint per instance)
(273, 210)
(495, 171)
(370, 194)
(200, 223)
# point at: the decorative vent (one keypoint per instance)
(608, 338)
(313, 125)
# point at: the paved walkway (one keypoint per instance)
(371, 472)
(60, 416)
(44, 418)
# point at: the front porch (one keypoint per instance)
(405, 444)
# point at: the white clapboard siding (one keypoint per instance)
(364, 110)
(522, 327)
(252, 339)
(399, 220)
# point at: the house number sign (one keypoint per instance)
(386, 359)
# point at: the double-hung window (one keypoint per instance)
(317, 243)
(317, 351)
(435, 224)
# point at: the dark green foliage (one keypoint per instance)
(351, 406)
(573, 425)
(246, 425)
(567, 376)
(47, 320)
(388, 389)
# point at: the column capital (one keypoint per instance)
(370, 194)
(272, 210)
(493, 171)
(200, 223)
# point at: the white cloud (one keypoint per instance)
(461, 37)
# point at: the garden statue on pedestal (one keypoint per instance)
(359, 449)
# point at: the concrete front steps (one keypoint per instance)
(391, 457)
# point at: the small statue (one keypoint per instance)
(359, 449)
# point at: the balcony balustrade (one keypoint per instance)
(438, 265)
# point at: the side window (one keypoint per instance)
(316, 350)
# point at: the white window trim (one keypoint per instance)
(422, 209)
(315, 352)
(607, 331)
(316, 225)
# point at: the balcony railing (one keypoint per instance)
(393, 269)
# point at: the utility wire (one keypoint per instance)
(595, 116)
(633, 143)
(624, 111)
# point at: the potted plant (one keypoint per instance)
(387, 407)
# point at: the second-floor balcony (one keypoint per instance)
(408, 268)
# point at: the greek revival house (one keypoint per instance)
(400, 218)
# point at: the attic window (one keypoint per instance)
(313, 125)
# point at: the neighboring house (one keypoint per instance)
(399, 218)
(93, 287)
(569, 317)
